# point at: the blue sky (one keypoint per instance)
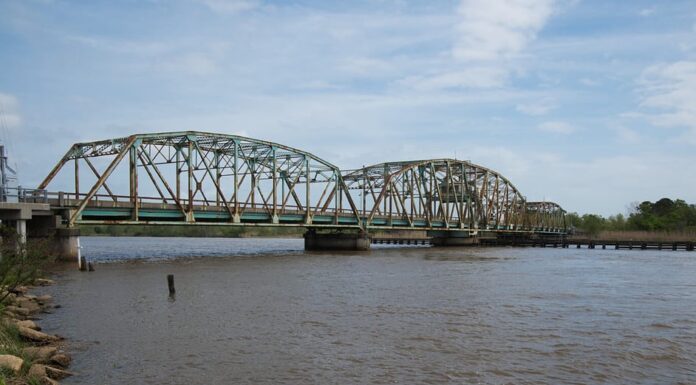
(591, 104)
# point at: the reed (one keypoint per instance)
(645, 236)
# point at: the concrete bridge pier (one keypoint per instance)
(336, 240)
(66, 244)
(453, 238)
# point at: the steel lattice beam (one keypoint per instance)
(199, 177)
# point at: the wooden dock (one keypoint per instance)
(556, 243)
(401, 241)
(599, 244)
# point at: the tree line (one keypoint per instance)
(662, 215)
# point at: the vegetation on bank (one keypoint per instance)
(191, 231)
(665, 217)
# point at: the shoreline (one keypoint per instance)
(30, 356)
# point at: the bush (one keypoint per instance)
(20, 262)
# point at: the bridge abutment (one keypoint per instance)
(341, 240)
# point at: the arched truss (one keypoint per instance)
(203, 177)
(438, 193)
(545, 216)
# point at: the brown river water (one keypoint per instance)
(263, 311)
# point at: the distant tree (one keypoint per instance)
(663, 215)
(593, 224)
(573, 220)
(616, 222)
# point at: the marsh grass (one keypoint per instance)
(645, 236)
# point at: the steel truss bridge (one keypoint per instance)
(199, 178)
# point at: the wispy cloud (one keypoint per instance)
(488, 35)
(557, 127)
(231, 6)
(475, 77)
(669, 92)
(500, 29)
(647, 11)
(9, 111)
(536, 108)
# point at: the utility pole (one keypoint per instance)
(6, 174)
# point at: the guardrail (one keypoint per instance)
(23, 195)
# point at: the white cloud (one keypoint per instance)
(476, 77)
(626, 134)
(589, 82)
(231, 6)
(647, 11)
(487, 36)
(192, 63)
(495, 29)
(670, 90)
(365, 66)
(173, 56)
(9, 111)
(535, 108)
(557, 127)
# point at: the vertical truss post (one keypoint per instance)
(431, 196)
(77, 179)
(216, 159)
(178, 173)
(133, 172)
(274, 217)
(337, 196)
(308, 216)
(448, 177)
(462, 182)
(364, 196)
(189, 165)
(236, 218)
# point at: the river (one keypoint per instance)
(263, 311)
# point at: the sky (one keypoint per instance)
(591, 104)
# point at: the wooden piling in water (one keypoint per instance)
(170, 283)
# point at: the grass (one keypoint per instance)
(12, 343)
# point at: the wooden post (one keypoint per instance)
(83, 263)
(170, 283)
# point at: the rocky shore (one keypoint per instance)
(29, 356)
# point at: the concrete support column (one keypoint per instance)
(21, 228)
(353, 240)
(66, 244)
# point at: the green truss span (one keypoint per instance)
(206, 178)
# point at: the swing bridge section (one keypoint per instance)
(202, 179)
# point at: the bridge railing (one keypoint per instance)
(23, 195)
(71, 199)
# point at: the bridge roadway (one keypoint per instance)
(198, 178)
